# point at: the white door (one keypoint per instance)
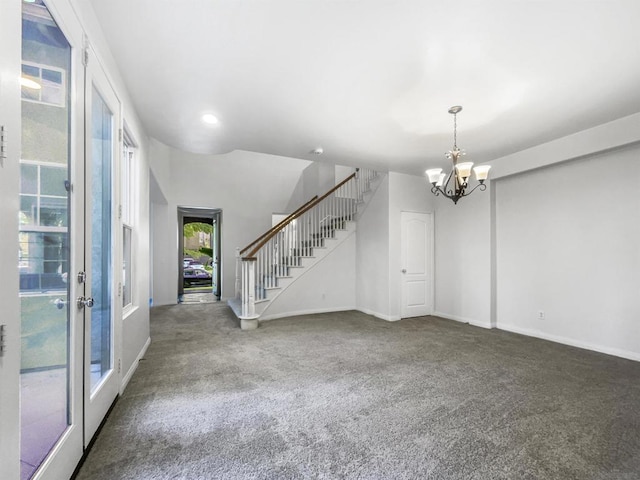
(99, 301)
(51, 217)
(417, 264)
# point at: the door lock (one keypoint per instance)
(84, 302)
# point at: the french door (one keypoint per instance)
(60, 374)
(49, 240)
(99, 305)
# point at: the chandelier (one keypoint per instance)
(455, 185)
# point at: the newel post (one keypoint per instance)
(248, 318)
(238, 285)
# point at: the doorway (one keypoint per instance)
(199, 255)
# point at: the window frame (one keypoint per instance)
(128, 207)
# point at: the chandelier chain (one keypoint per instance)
(455, 130)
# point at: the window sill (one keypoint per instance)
(128, 311)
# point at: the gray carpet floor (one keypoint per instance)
(345, 395)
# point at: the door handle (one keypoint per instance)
(404, 270)
(82, 302)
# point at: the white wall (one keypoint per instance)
(342, 172)
(160, 165)
(162, 240)
(477, 260)
(247, 186)
(462, 258)
(316, 179)
(372, 255)
(327, 286)
(568, 240)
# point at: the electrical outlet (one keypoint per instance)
(541, 315)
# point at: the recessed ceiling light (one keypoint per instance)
(317, 151)
(210, 119)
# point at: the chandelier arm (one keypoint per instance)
(445, 185)
(482, 186)
(448, 194)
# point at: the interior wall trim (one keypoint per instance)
(134, 366)
(572, 343)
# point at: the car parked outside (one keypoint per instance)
(196, 277)
(196, 265)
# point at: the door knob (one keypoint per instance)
(84, 302)
(404, 270)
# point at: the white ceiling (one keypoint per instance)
(371, 81)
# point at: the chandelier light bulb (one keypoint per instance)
(433, 174)
(482, 172)
(464, 169)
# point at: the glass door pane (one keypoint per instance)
(44, 236)
(101, 238)
(99, 303)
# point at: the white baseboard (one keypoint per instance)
(306, 312)
(457, 318)
(134, 366)
(381, 316)
(486, 325)
(571, 342)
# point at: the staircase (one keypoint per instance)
(270, 264)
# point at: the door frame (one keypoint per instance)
(430, 251)
(10, 123)
(214, 214)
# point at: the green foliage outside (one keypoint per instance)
(204, 254)
(191, 229)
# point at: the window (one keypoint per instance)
(43, 84)
(43, 195)
(128, 209)
(43, 256)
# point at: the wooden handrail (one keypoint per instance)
(279, 225)
(296, 214)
